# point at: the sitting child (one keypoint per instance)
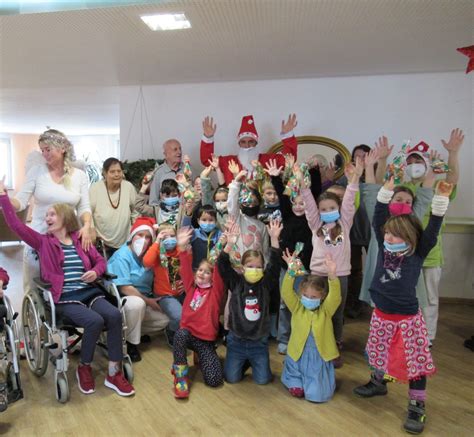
(309, 370)
(163, 257)
(249, 315)
(199, 321)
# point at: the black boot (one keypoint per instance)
(415, 422)
(133, 352)
(373, 388)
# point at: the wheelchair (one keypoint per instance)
(46, 335)
(10, 351)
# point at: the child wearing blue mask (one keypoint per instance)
(205, 236)
(398, 348)
(163, 258)
(308, 370)
(330, 221)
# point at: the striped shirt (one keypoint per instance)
(73, 268)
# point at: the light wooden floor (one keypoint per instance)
(245, 408)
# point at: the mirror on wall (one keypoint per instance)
(327, 148)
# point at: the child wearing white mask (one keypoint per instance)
(308, 370)
(330, 221)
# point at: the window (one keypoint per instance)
(94, 150)
(6, 161)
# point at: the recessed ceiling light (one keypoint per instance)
(166, 21)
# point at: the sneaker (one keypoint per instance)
(181, 381)
(145, 339)
(416, 418)
(133, 352)
(282, 348)
(297, 392)
(372, 388)
(119, 383)
(338, 362)
(85, 380)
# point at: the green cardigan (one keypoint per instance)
(319, 320)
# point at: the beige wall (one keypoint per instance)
(22, 145)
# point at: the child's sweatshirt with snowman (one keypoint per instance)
(249, 315)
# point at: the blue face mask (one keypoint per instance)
(170, 201)
(207, 227)
(330, 217)
(399, 247)
(169, 243)
(310, 304)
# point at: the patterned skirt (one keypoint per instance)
(398, 346)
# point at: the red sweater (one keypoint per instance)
(202, 320)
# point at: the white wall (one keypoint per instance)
(352, 110)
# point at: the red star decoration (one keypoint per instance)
(469, 52)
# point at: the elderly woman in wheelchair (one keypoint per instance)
(10, 386)
(71, 273)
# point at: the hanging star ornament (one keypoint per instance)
(469, 52)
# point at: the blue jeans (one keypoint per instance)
(172, 307)
(284, 317)
(239, 351)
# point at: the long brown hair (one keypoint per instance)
(407, 227)
(336, 230)
(68, 216)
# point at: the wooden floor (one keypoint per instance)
(245, 408)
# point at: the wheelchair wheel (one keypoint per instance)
(33, 314)
(62, 387)
(128, 370)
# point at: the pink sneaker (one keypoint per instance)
(119, 383)
(85, 380)
(297, 392)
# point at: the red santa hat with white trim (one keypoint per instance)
(247, 128)
(142, 224)
(420, 149)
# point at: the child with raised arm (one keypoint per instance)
(398, 345)
(330, 220)
(309, 370)
(249, 320)
(199, 321)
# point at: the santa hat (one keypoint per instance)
(142, 224)
(420, 149)
(247, 129)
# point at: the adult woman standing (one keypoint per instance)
(112, 203)
(54, 180)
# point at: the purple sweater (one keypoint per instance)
(51, 255)
(341, 254)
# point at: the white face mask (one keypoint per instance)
(138, 245)
(415, 171)
(221, 206)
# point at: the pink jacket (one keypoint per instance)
(51, 255)
(341, 253)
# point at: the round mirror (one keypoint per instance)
(329, 150)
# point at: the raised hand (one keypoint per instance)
(383, 148)
(241, 175)
(331, 266)
(183, 236)
(349, 170)
(208, 127)
(455, 141)
(359, 167)
(233, 167)
(429, 179)
(272, 168)
(232, 233)
(3, 188)
(289, 125)
(214, 162)
(434, 155)
(206, 171)
(287, 256)
(444, 189)
(146, 181)
(372, 157)
(390, 184)
(329, 172)
(289, 160)
(274, 228)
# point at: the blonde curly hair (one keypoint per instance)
(58, 140)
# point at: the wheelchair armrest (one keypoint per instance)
(109, 276)
(40, 283)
